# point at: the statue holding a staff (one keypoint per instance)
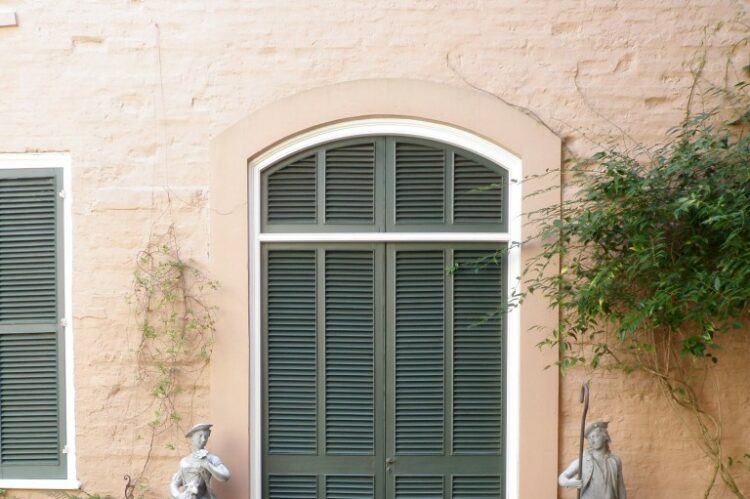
(597, 473)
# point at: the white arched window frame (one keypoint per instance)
(409, 128)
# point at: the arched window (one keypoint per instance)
(383, 334)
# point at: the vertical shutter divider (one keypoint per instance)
(320, 357)
(381, 184)
(320, 188)
(450, 169)
(321, 349)
(390, 184)
(448, 380)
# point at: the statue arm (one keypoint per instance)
(217, 468)
(568, 477)
(175, 484)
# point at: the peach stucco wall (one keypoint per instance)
(135, 91)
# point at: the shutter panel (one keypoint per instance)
(350, 184)
(292, 487)
(477, 355)
(447, 365)
(419, 183)
(350, 374)
(320, 352)
(477, 487)
(478, 193)
(419, 360)
(31, 304)
(419, 487)
(292, 353)
(28, 250)
(350, 487)
(291, 193)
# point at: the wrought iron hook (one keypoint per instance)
(129, 488)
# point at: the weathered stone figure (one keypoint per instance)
(192, 480)
(602, 470)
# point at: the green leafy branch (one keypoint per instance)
(655, 265)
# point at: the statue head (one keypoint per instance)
(598, 435)
(198, 435)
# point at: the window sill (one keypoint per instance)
(64, 484)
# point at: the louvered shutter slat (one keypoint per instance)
(292, 487)
(419, 487)
(419, 183)
(478, 193)
(22, 251)
(350, 487)
(477, 487)
(477, 352)
(291, 337)
(291, 193)
(419, 384)
(350, 184)
(350, 417)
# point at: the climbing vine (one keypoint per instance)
(176, 324)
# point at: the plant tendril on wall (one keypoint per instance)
(177, 329)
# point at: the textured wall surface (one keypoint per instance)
(134, 91)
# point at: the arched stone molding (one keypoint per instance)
(487, 121)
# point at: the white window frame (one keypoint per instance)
(403, 127)
(63, 161)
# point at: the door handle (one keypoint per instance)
(390, 461)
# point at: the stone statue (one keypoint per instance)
(602, 470)
(192, 480)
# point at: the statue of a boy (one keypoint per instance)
(602, 470)
(192, 480)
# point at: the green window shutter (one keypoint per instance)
(350, 369)
(477, 354)
(320, 351)
(478, 192)
(292, 487)
(446, 361)
(419, 183)
(291, 192)
(419, 487)
(477, 487)
(344, 390)
(384, 184)
(32, 409)
(420, 353)
(292, 353)
(350, 184)
(350, 487)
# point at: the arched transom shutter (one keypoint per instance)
(385, 184)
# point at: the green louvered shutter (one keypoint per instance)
(31, 339)
(384, 184)
(419, 183)
(291, 193)
(383, 372)
(438, 188)
(350, 184)
(445, 368)
(478, 192)
(320, 350)
(333, 188)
